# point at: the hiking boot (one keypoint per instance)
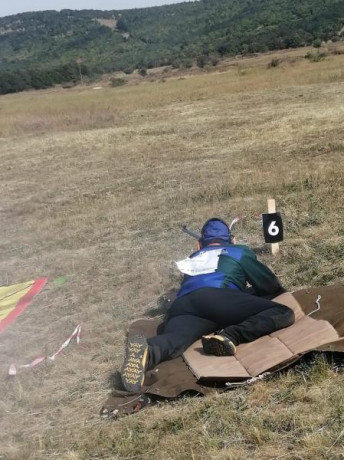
(135, 363)
(218, 345)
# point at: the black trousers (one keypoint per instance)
(243, 317)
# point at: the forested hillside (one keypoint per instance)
(40, 49)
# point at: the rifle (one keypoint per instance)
(198, 237)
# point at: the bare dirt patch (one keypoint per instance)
(110, 23)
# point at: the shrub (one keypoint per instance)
(214, 60)
(143, 72)
(128, 70)
(68, 84)
(338, 51)
(187, 63)
(202, 61)
(316, 57)
(176, 64)
(274, 63)
(317, 43)
(118, 82)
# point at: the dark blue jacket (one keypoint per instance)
(237, 266)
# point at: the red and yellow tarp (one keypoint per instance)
(16, 298)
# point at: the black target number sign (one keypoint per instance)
(273, 227)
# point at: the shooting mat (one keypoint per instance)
(199, 373)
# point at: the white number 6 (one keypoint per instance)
(273, 229)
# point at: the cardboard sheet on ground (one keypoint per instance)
(323, 331)
(16, 298)
(252, 359)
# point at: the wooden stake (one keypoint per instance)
(272, 209)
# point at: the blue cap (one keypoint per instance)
(215, 229)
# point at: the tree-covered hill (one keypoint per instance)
(40, 49)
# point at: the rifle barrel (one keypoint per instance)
(190, 232)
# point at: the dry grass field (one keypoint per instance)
(94, 186)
